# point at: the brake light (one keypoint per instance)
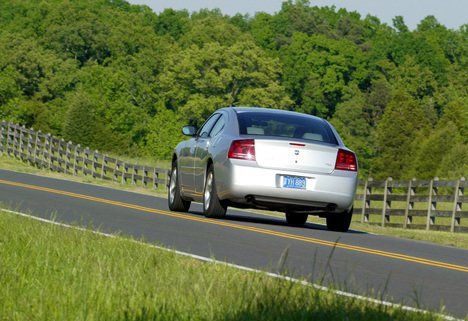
(346, 161)
(242, 149)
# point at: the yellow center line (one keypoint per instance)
(306, 239)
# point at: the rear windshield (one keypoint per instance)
(285, 125)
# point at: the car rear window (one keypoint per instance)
(285, 125)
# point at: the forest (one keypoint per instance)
(123, 79)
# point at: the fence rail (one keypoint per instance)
(49, 152)
(416, 204)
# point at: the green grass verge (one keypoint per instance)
(445, 238)
(48, 272)
(14, 164)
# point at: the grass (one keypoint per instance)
(14, 164)
(445, 238)
(49, 272)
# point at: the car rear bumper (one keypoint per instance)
(242, 182)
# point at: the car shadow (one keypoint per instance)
(247, 218)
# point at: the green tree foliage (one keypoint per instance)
(430, 153)
(173, 23)
(317, 71)
(121, 78)
(197, 81)
(81, 122)
(404, 121)
(164, 132)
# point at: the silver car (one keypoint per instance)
(266, 159)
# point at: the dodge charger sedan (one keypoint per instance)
(265, 159)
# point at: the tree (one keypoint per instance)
(432, 149)
(173, 23)
(199, 80)
(80, 124)
(212, 26)
(164, 132)
(399, 24)
(317, 70)
(135, 76)
(402, 123)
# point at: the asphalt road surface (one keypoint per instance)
(412, 273)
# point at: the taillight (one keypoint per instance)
(346, 161)
(242, 149)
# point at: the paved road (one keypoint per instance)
(410, 272)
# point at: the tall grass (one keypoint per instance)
(48, 272)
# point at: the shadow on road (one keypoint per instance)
(269, 220)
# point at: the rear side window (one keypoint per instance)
(206, 127)
(218, 127)
(285, 125)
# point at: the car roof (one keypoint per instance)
(268, 110)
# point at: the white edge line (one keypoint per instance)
(240, 267)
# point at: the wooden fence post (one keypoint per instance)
(75, 157)
(144, 174)
(14, 141)
(386, 204)
(60, 158)
(2, 132)
(457, 206)
(29, 147)
(93, 164)
(134, 171)
(365, 218)
(85, 158)
(124, 171)
(43, 152)
(1, 138)
(103, 166)
(20, 145)
(431, 205)
(36, 143)
(155, 178)
(8, 139)
(47, 150)
(409, 204)
(114, 172)
(68, 156)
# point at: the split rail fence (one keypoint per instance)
(49, 152)
(417, 204)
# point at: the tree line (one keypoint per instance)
(123, 79)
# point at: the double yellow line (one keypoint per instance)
(306, 239)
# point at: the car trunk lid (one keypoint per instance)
(295, 156)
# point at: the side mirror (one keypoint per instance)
(189, 130)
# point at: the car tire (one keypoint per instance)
(339, 222)
(296, 219)
(174, 200)
(212, 206)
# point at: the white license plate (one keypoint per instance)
(296, 182)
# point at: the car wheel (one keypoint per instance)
(339, 222)
(296, 219)
(212, 206)
(174, 200)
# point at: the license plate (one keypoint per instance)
(294, 182)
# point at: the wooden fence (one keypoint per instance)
(49, 152)
(418, 204)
